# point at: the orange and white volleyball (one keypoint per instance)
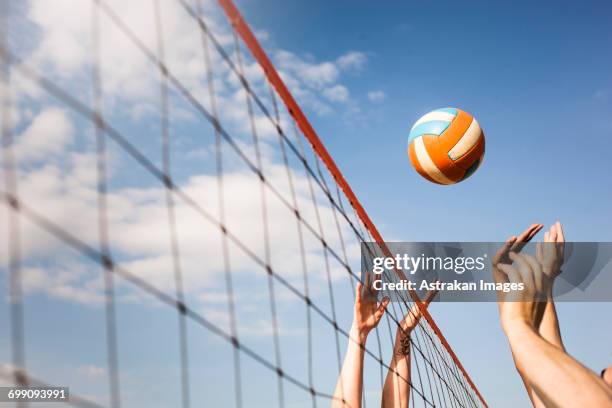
(446, 145)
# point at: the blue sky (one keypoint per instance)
(536, 75)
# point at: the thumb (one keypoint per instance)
(358, 291)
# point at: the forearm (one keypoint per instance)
(396, 391)
(557, 379)
(350, 382)
(545, 322)
(535, 400)
(549, 326)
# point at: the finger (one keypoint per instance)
(560, 235)
(561, 241)
(526, 236)
(358, 290)
(529, 232)
(536, 271)
(412, 316)
(552, 233)
(547, 236)
(524, 268)
(381, 309)
(383, 303)
(534, 231)
(368, 285)
(503, 251)
(415, 310)
(372, 288)
(526, 233)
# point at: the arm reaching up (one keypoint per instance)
(396, 391)
(367, 314)
(557, 379)
(502, 257)
(550, 257)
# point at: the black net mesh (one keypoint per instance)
(170, 238)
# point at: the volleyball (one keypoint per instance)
(446, 145)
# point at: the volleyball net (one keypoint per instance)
(174, 231)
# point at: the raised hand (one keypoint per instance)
(516, 244)
(521, 306)
(368, 311)
(512, 244)
(412, 317)
(550, 254)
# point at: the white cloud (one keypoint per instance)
(262, 35)
(337, 93)
(377, 96)
(64, 191)
(47, 134)
(308, 79)
(63, 37)
(354, 60)
(66, 280)
(314, 74)
(57, 173)
(58, 177)
(130, 80)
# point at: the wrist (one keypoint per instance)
(549, 291)
(401, 347)
(516, 327)
(359, 334)
(402, 332)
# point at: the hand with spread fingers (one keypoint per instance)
(367, 313)
(512, 244)
(520, 306)
(516, 243)
(552, 378)
(412, 317)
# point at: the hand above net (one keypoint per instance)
(516, 243)
(551, 377)
(521, 306)
(368, 311)
(409, 323)
(550, 255)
